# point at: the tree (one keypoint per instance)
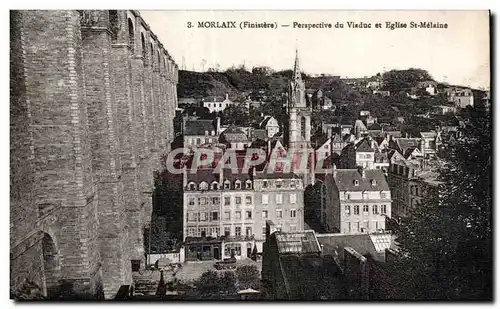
(445, 244)
(248, 277)
(207, 283)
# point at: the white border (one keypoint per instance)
(206, 5)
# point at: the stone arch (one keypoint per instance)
(51, 266)
(131, 33)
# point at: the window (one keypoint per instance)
(383, 209)
(264, 214)
(215, 215)
(227, 231)
(356, 226)
(248, 231)
(191, 201)
(227, 200)
(347, 209)
(226, 184)
(366, 225)
(237, 231)
(347, 196)
(248, 214)
(278, 183)
(238, 214)
(375, 209)
(202, 200)
(191, 231)
(237, 184)
(238, 200)
(215, 186)
(292, 184)
(279, 213)
(365, 209)
(215, 200)
(293, 213)
(227, 215)
(264, 184)
(248, 184)
(231, 249)
(356, 182)
(293, 198)
(263, 232)
(203, 216)
(356, 209)
(203, 186)
(365, 195)
(383, 195)
(279, 198)
(265, 198)
(192, 186)
(191, 216)
(248, 200)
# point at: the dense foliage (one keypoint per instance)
(446, 243)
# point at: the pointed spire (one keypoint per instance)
(296, 68)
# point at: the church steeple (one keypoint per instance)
(296, 69)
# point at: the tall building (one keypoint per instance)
(355, 201)
(299, 124)
(299, 113)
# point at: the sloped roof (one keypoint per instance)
(405, 143)
(362, 243)
(297, 243)
(344, 180)
(264, 122)
(364, 146)
(233, 134)
(198, 127)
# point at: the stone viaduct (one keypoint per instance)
(92, 101)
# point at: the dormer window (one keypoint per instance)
(374, 182)
(213, 132)
(279, 183)
(227, 184)
(192, 186)
(215, 185)
(206, 133)
(248, 184)
(356, 182)
(237, 184)
(203, 186)
(292, 184)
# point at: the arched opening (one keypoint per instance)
(51, 267)
(131, 34)
(113, 23)
(143, 45)
(151, 54)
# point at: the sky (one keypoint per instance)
(459, 54)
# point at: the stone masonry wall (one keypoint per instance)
(90, 119)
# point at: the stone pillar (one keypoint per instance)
(61, 149)
(106, 163)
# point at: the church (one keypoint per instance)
(299, 126)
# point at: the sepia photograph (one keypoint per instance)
(250, 155)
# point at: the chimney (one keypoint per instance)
(334, 170)
(218, 126)
(227, 96)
